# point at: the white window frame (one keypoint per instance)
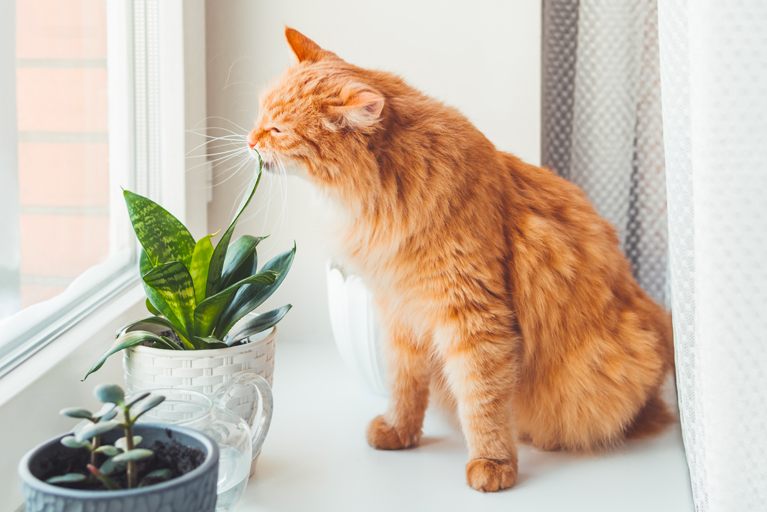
(47, 377)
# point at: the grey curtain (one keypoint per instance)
(602, 125)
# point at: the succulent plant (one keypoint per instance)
(123, 455)
(196, 291)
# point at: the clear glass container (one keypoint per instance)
(239, 444)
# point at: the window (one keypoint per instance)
(80, 97)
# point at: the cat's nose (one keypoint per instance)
(251, 145)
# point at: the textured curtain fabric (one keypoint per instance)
(602, 126)
(714, 85)
(701, 148)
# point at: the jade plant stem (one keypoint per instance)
(131, 465)
(96, 443)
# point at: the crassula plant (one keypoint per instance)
(124, 454)
(195, 291)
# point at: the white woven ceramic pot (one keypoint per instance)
(203, 370)
(355, 328)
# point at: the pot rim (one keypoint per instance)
(211, 459)
(210, 353)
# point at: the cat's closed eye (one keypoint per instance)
(274, 130)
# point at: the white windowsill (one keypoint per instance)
(316, 458)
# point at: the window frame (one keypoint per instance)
(154, 48)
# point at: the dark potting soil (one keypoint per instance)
(172, 455)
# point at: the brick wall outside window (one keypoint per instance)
(61, 84)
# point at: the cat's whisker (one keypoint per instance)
(223, 119)
(234, 169)
(216, 161)
(233, 142)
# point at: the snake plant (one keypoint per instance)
(196, 292)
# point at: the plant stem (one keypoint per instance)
(131, 466)
(96, 443)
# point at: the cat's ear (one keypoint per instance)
(303, 48)
(362, 107)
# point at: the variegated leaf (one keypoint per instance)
(241, 260)
(174, 284)
(252, 296)
(129, 339)
(215, 284)
(261, 323)
(163, 236)
(203, 251)
(145, 266)
(207, 313)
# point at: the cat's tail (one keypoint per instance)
(652, 419)
(666, 330)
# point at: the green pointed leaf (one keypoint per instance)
(95, 429)
(122, 443)
(71, 442)
(156, 476)
(241, 260)
(127, 340)
(103, 476)
(76, 412)
(133, 455)
(154, 320)
(215, 284)
(108, 450)
(163, 236)
(109, 393)
(203, 252)
(173, 282)
(212, 343)
(149, 306)
(145, 266)
(208, 312)
(69, 478)
(146, 405)
(261, 323)
(252, 296)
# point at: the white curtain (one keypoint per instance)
(658, 110)
(713, 58)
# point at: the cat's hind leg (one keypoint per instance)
(409, 373)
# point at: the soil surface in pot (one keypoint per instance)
(178, 458)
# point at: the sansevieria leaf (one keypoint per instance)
(173, 282)
(209, 311)
(145, 266)
(154, 320)
(131, 339)
(252, 296)
(261, 323)
(219, 254)
(203, 251)
(241, 260)
(163, 236)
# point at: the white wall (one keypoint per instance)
(482, 57)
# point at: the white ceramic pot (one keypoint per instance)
(356, 329)
(205, 371)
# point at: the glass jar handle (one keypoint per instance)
(262, 413)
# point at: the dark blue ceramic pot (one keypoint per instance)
(194, 491)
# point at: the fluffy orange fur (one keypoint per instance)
(501, 289)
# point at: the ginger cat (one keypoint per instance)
(500, 288)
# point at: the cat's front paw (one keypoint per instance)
(489, 475)
(383, 436)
